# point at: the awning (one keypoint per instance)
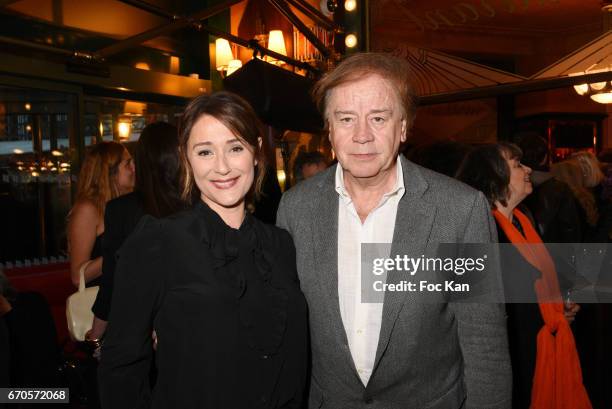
(280, 97)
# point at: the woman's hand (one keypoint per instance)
(570, 309)
(97, 330)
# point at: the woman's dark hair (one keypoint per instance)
(237, 115)
(157, 169)
(485, 169)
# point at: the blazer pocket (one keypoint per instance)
(315, 396)
(454, 398)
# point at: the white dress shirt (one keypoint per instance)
(362, 321)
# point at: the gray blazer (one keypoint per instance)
(430, 355)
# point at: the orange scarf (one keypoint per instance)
(557, 382)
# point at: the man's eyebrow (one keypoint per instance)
(372, 111)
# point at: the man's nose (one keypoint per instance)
(363, 134)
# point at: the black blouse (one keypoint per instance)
(227, 309)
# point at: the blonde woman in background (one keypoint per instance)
(107, 172)
(584, 176)
(570, 172)
(591, 168)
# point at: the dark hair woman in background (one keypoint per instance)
(156, 193)
(545, 363)
(218, 286)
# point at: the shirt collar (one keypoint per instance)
(398, 189)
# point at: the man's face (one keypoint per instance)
(366, 126)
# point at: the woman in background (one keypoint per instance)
(156, 193)
(218, 286)
(571, 173)
(107, 172)
(545, 364)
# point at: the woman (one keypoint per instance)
(546, 368)
(156, 193)
(571, 173)
(219, 287)
(107, 172)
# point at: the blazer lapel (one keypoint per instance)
(413, 224)
(325, 216)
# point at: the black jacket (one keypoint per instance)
(555, 211)
(227, 309)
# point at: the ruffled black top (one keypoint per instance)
(227, 309)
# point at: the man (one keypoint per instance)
(552, 202)
(397, 354)
(308, 164)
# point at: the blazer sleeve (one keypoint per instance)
(114, 235)
(127, 350)
(482, 328)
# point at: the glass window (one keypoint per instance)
(35, 174)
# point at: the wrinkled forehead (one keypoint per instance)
(367, 93)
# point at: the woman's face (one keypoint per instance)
(520, 182)
(126, 173)
(223, 165)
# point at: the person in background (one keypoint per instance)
(218, 286)
(107, 172)
(552, 202)
(156, 193)
(308, 164)
(545, 363)
(605, 158)
(570, 172)
(593, 177)
(592, 331)
(33, 351)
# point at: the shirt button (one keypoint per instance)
(359, 332)
(265, 356)
(369, 401)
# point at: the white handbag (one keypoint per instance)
(78, 308)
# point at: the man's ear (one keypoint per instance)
(404, 130)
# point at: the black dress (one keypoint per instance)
(227, 309)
